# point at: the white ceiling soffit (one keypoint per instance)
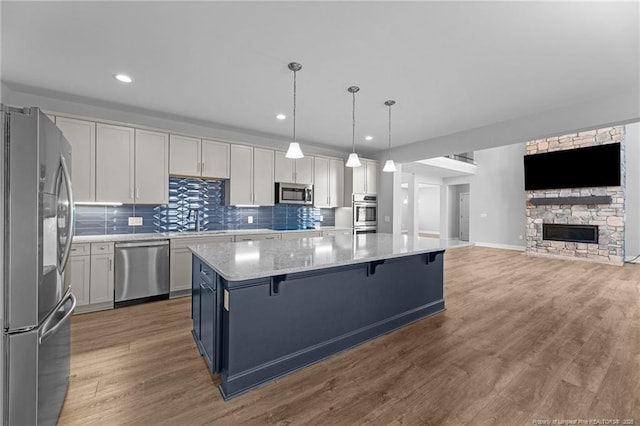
(450, 164)
(451, 66)
(431, 171)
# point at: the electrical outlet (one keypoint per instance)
(321, 218)
(387, 218)
(483, 215)
(135, 221)
(249, 219)
(520, 237)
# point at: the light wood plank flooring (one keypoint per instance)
(522, 339)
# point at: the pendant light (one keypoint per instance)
(389, 166)
(353, 160)
(294, 150)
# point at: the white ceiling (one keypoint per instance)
(450, 66)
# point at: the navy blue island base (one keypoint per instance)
(253, 331)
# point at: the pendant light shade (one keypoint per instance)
(389, 165)
(353, 160)
(294, 150)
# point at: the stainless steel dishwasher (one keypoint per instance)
(142, 272)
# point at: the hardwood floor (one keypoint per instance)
(522, 339)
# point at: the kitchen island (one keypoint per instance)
(262, 309)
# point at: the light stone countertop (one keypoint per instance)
(190, 234)
(257, 259)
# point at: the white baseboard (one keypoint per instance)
(500, 246)
(630, 259)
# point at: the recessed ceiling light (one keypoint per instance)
(368, 138)
(281, 116)
(123, 78)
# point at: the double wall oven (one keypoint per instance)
(365, 214)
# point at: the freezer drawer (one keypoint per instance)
(38, 363)
(142, 271)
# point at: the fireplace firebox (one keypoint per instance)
(570, 233)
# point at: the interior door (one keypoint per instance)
(464, 216)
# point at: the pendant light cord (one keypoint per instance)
(294, 105)
(353, 134)
(389, 132)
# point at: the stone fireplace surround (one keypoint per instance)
(602, 206)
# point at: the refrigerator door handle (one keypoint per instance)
(48, 330)
(72, 213)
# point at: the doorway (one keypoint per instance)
(464, 216)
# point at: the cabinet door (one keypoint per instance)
(372, 177)
(241, 176)
(359, 178)
(215, 159)
(152, 167)
(304, 170)
(284, 168)
(336, 183)
(195, 296)
(208, 323)
(114, 163)
(78, 275)
(263, 177)
(82, 137)
(321, 182)
(184, 156)
(180, 269)
(101, 278)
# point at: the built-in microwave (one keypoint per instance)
(294, 193)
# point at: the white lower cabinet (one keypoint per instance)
(257, 237)
(78, 272)
(90, 273)
(180, 261)
(301, 234)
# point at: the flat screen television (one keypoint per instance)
(573, 168)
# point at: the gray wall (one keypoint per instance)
(632, 222)
(497, 202)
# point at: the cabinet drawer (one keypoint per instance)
(255, 237)
(80, 250)
(335, 232)
(206, 273)
(304, 234)
(101, 248)
(179, 243)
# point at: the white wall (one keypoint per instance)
(497, 201)
(429, 209)
(632, 205)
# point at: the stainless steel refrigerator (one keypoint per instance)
(37, 226)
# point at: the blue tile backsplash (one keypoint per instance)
(189, 197)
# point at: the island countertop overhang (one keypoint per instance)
(248, 260)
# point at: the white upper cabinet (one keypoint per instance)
(252, 176)
(241, 179)
(198, 157)
(184, 156)
(151, 167)
(82, 137)
(328, 183)
(371, 181)
(321, 182)
(214, 159)
(114, 163)
(285, 168)
(263, 177)
(361, 180)
(304, 170)
(293, 171)
(336, 183)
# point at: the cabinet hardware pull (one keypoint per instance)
(110, 264)
(202, 167)
(131, 197)
(137, 192)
